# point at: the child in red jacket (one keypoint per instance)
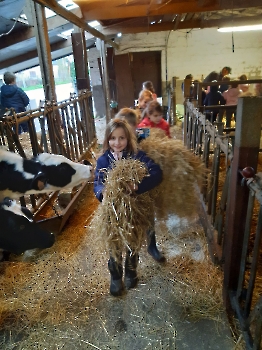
(154, 118)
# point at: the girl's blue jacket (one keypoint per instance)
(106, 161)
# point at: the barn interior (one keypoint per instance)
(58, 298)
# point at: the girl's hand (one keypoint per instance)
(117, 155)
(132, 187)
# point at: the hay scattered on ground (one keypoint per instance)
(182, 171)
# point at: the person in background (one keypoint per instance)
(154, 118)
(223, 87)
(14, 97)
(144, 97)
(231, 96)
(217, 76)
(213, 98)
(244, 87)
(191, 79)
(203, 93)
(130, 116)
(148, 85)
(258, 89)
(120, 143)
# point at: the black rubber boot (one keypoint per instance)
(131, 278)
(116, 271)
(152, 248)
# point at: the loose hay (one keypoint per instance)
(182, 171)
(197, 284)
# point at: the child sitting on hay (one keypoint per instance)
(127, 209)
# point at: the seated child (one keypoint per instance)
(154, 118)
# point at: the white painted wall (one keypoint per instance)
(199, 51)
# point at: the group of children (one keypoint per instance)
(121, 142)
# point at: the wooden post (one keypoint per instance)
(80, 59)
(105, 78)
(247, 139)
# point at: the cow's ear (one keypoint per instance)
(39, 182)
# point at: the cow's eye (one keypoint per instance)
(22, 227)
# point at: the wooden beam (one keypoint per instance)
(101, 10)
(53, 23)
(33, 54)
(143, 26)
(61, 11)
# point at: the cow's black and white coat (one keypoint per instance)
(45, 173)
(18, 231)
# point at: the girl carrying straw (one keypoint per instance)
(120, 144)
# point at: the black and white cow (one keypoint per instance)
(45, 173)
(18, 231)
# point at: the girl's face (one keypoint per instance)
(144, 102)
(155, 117)
(118, 140)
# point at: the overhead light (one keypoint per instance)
(94, 24)
(68, 4)
(67, 33)
(49, 13)
(240, 29)
(119, 35)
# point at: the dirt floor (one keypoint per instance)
(59, 298)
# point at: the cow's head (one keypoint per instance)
(61, 172)
(18, 231)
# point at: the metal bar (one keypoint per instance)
(254, 264)
(245, 244)
(215, 182)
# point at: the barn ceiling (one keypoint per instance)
(17, 36)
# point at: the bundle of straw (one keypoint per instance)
(123, 218)
(182, 171)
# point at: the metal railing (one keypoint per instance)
(228, 205)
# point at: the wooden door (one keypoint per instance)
(131, 70)
(147, 66)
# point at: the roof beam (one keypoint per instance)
(104, 10)
(143, 26)
(53, 23)
(81, 23)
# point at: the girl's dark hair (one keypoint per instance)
(154, 106)
(130, 135)
(233, 84)
(148, 85)
(243, 77)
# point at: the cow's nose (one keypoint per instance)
(86, 162)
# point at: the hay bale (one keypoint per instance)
(182, 171)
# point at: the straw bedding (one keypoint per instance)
(58, 298)
(182, 171)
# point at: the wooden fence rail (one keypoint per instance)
(65, 128)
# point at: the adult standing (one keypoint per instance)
(217, 76)
(14, 97)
